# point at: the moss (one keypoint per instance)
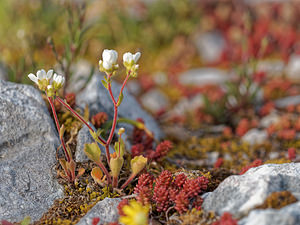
(193, 217)
(217, 176)
(278, 161)
(78, 200)
(278, 200)
(70, 122)
(196, 152)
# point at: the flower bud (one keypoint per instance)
(116, 166)
(130, 60)
(58, 81)
(138, 163)
(108, 64)
(121, 131)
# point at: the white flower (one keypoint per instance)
(129, 58)
(58, 81)
(109, 58)
(40, 75)
(42, 79)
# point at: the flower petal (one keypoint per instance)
(127, 57)
(49, 74)
(136, 56)
(107, 65)
(41, 74)
(33, 78)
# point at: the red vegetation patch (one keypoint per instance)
(255, 163)
(170, 190)
(226, 219)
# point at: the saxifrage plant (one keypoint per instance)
(51, 83)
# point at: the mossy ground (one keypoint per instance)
(278, 200)
(195, 157)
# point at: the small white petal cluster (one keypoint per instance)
(46, 82)
(40, 75)
(130, 60)
(58, 81)
(108, 63)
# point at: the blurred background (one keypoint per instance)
(216, 56)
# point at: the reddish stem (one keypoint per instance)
(128, 181)
(124, 83)
(79, 117)
(115, 182)
(100, 164)
(58, 128)
(111, 134)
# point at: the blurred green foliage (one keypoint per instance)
(151, 27)
(123, 25)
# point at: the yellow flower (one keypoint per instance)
(135, 214)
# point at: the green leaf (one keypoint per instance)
(99, 132)
(95, 135)
(104, 84)
(120, 99)
(93, 152)
(120, 147)
(26, 220)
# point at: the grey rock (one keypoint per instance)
(134, 87)
(290, 100)
(28, 143)
(288, 215)
(3, 72)
(272, 118)
(160, 78)
(255, 136)
(240, 193)
(271, 67)
(106, 210)
(154, 100)
(210, 45)
(98, 99)
(187, 105)
(293, 68)
(84, 137)
(203, 76)
(80, 75)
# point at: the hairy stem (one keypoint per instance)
(79, 117)
(115, 182)
(58, 129)
(113, 128)
(123, 85)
